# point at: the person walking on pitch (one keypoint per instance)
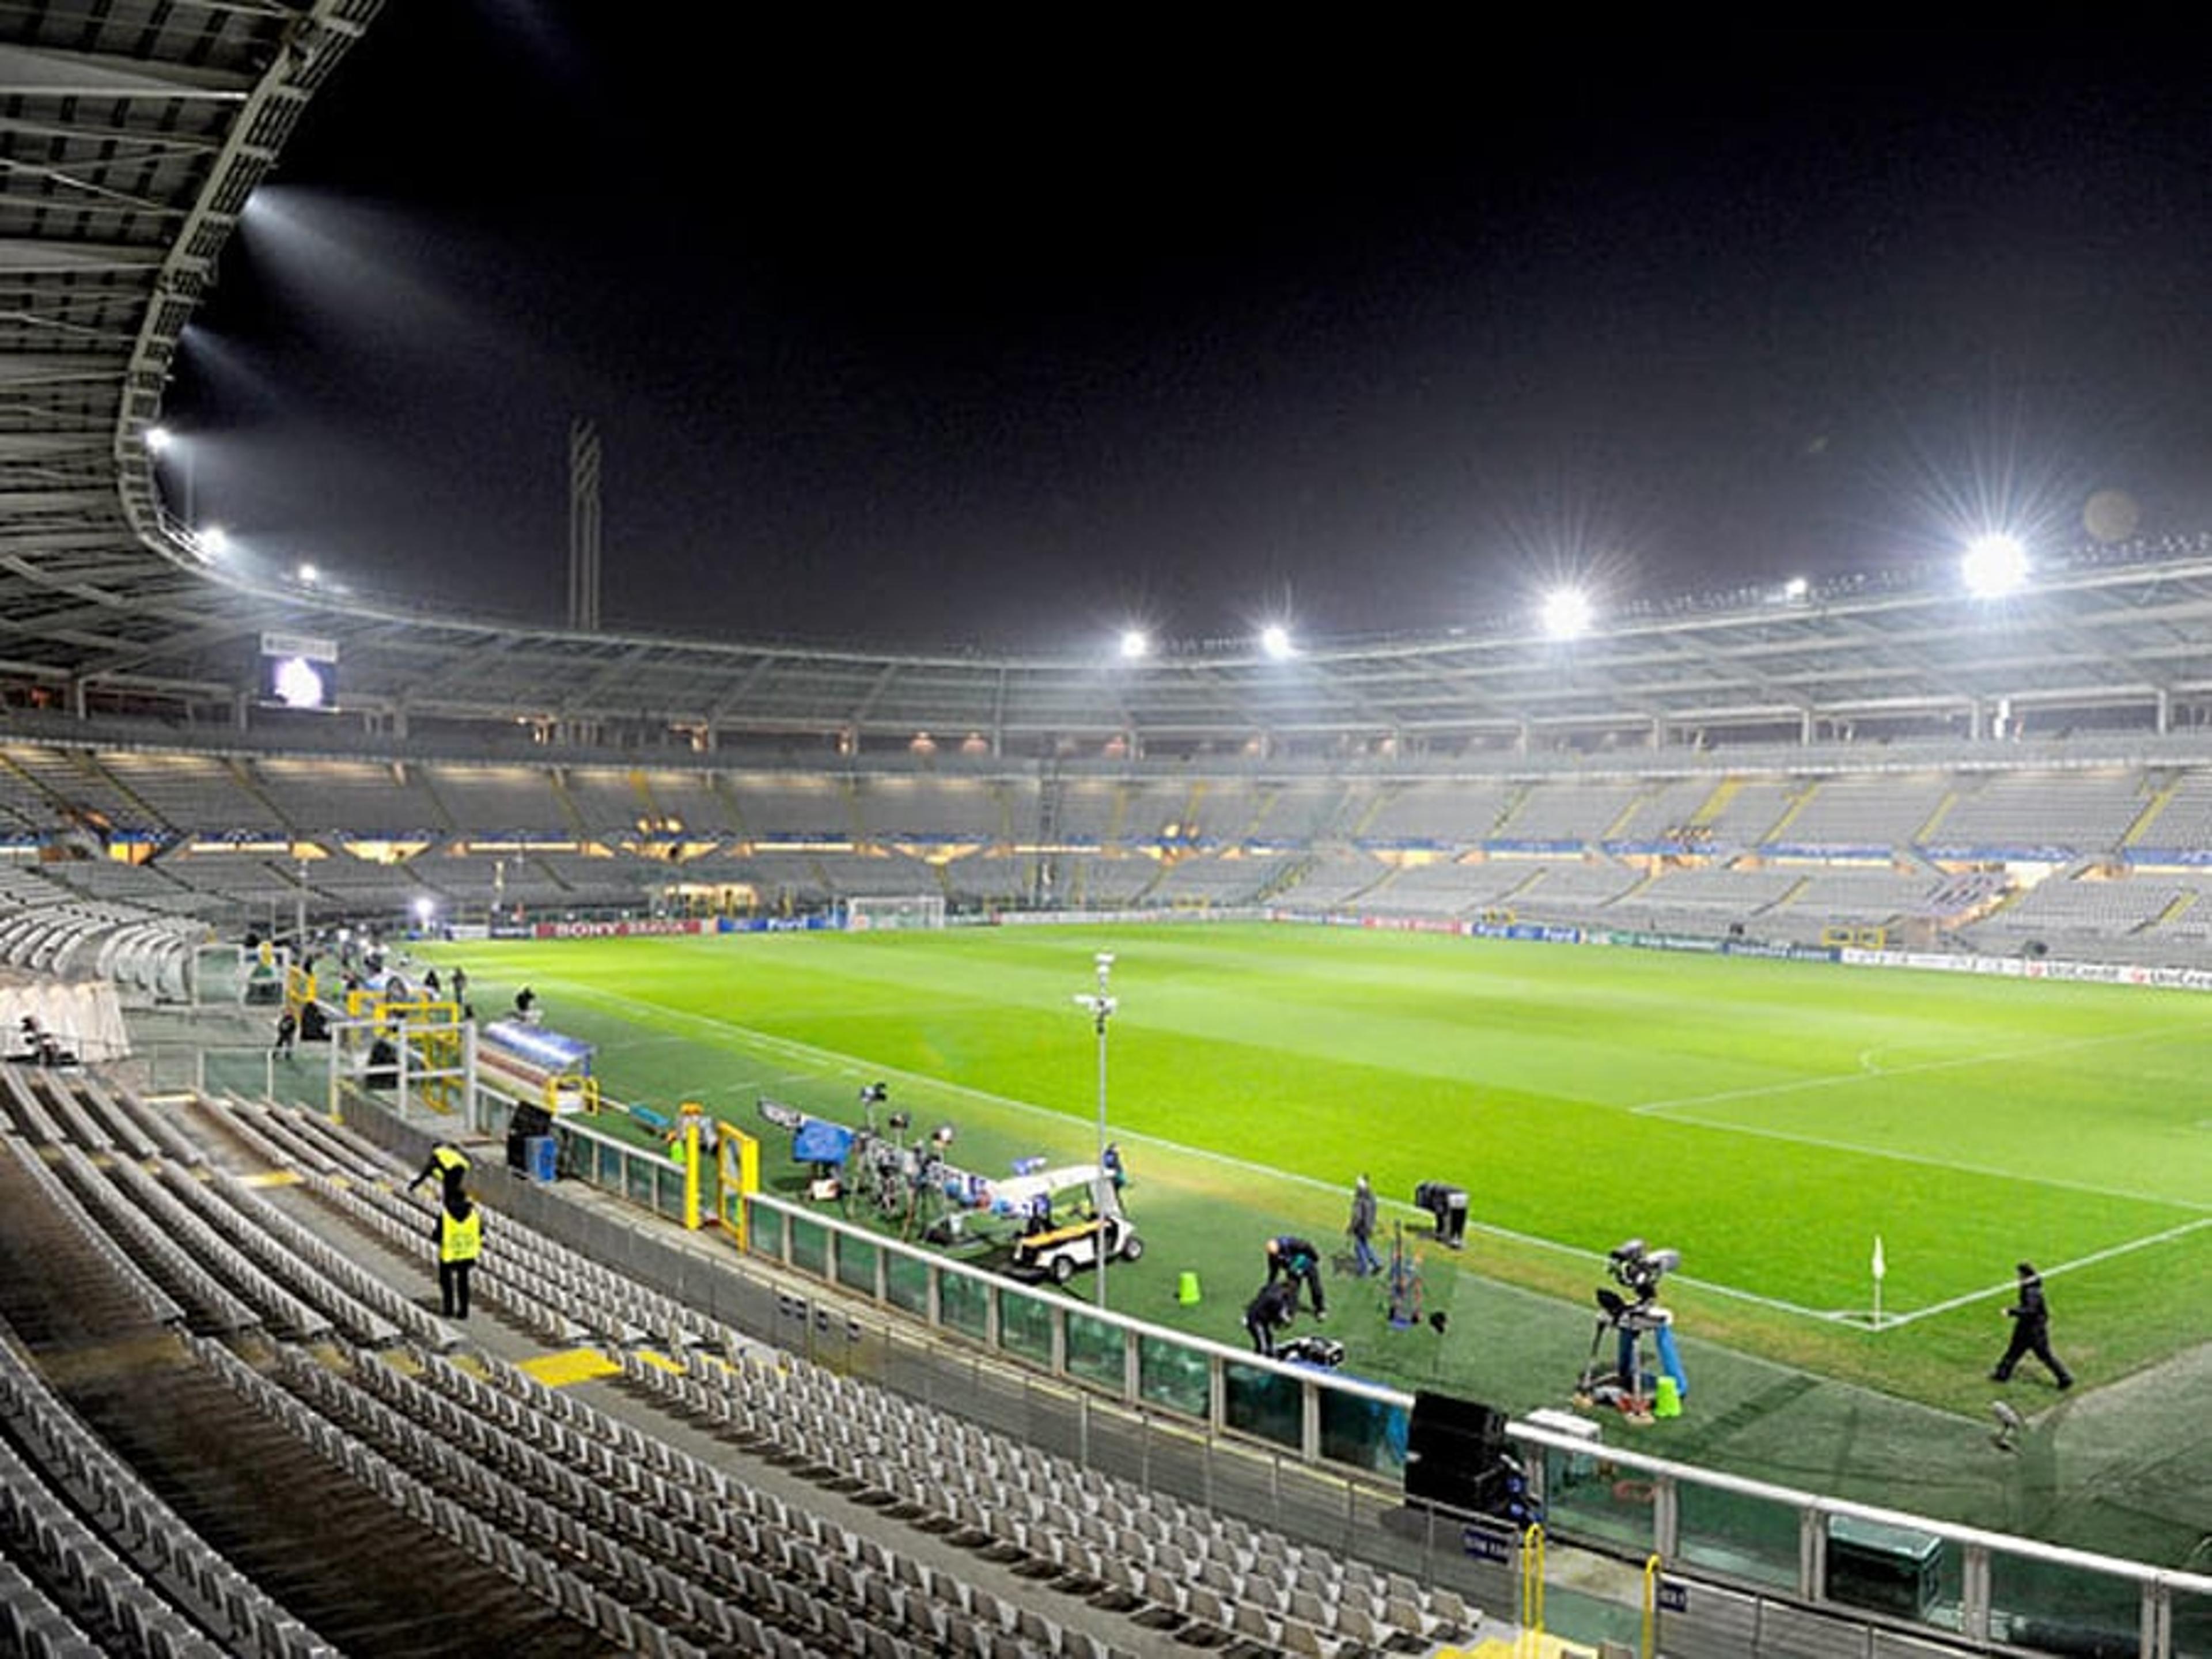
(2031, 1331)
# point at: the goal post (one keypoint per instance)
(870, 913)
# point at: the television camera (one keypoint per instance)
(904, 1173)
(899, 1176)
(1637, 1268)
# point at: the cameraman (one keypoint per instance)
(1270, 1312)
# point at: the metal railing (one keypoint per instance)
(1735, 1550)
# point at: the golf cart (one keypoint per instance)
(1073, 1218)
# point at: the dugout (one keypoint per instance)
(530, 1063)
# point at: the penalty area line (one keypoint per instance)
(856, 1066)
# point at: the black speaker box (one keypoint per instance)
(526, 1122)
(1456, 1453)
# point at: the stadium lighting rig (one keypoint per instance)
(1565, 613)
(1994, 566)
(163, 441)
(1136, 644)
(213, 542)
(1100, 1006)
(1275, 641)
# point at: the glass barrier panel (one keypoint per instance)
(1367, 1434)
(638, 1174)
(1025, 1326)
(1263, 1404)
(2062, 1609)
(1744, 1537)
(906, 1283)
(1586, 1497)
(766, 1230)
(1096, 1352)
(810, 1247)
(856, 1265)
(1898, 1571)
(963, 1305)
(2192, 1625)
(1173, 1376)
(611, 1164)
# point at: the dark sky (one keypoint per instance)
(1011, 335)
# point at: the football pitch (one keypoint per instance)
(1769, 1119)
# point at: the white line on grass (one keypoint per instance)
(1867, 1074)
(852, 1066)
(1828, 1144)
(1890, 1321)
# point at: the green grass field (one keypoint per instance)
(1767, 1119)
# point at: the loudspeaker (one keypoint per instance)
(526, 1123)
(1456, 1453)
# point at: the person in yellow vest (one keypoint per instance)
(447, 1162)
(461, 1241)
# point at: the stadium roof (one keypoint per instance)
(136, 129)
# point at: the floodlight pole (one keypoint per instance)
(1100, 1006)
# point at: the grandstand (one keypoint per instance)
(1862, 754)
(2083, 853)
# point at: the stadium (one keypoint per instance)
(1820, 949)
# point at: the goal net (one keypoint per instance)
(866, 914)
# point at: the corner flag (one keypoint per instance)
(1880, 1269)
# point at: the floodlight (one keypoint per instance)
(213, 541)
(1275, 641)
(425, 907)
(1795, 588)
(308, 575)
(159, 438)
(1135, 643)
(1994, 566)
(1565, 613)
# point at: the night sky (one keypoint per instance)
(1009, 335)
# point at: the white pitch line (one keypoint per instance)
(1828, 1144)
(2075, 1266)
(1866, 1074)
(853, 1066)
